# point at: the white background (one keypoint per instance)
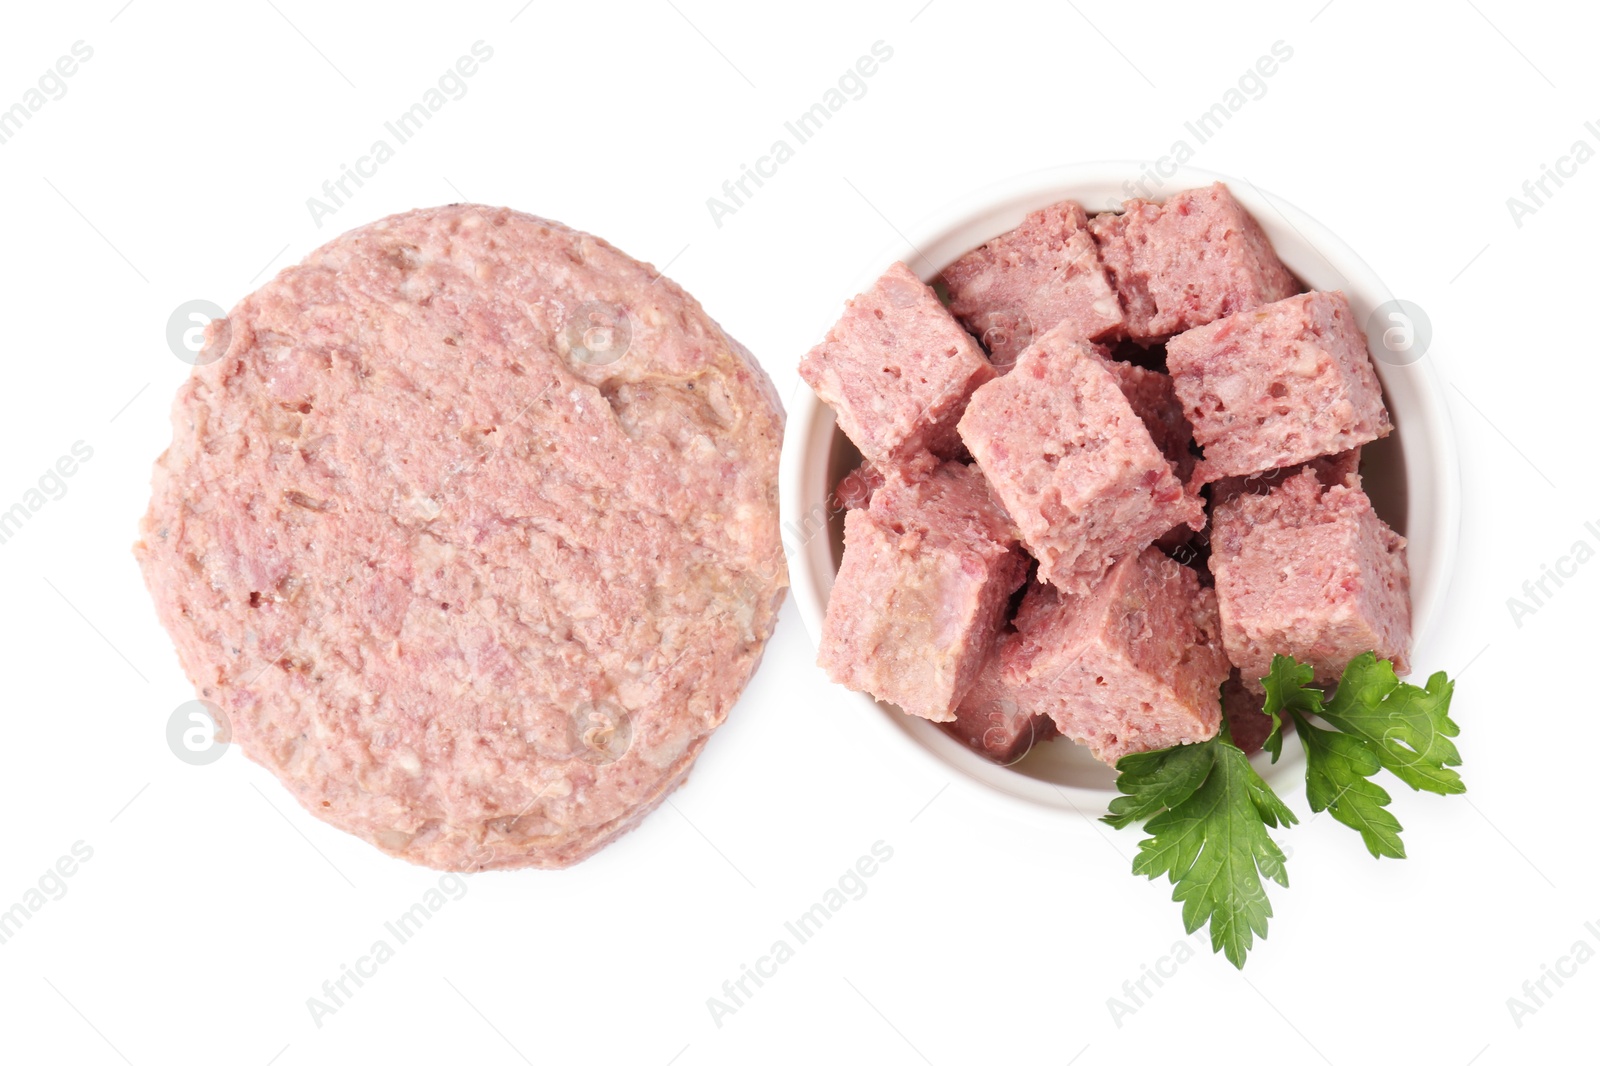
(177, 166)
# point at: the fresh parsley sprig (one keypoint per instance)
(1380, 722)
(1210, 837)
(1209, 810)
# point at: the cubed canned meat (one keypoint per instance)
(1134, 665)
(897, 370)
(1309, 571)
(954, 503)
(1155, 401)
(1073, 463)
(1044, 273)
(927, 573)
(992, 723)
(1279, 385)
(855, 489)
(1242, 710)
(1192, 260)
(1330, 470)
(1191, 548)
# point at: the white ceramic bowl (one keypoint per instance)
(1413, 475)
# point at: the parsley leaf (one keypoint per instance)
(1382, 723)
(1157, 780)
(1408, 728)
(1287, 685)
(1211, 840)
(1209, 810)
(1337, 768)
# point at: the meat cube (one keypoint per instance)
(1279, 385)
(922, 590)
(1330, 469)
(1149, 392)
(897, 371)
(1073, 464)
(992, 723)
(855, 489)
(1191, 548)
(1155, 401)
(1242, 708)
(954, 503)
(1134, 665)
(1027, 281)
(1192, 260)
(1310, 571)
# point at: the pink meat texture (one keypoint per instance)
(1134, 664)
(922, 589)
(1192, 260)
(1279, 385)
(470, 529)
(1093, 463)
(1073, 464)
(990, 719)
(855, 489)
(1043, 274)
(1242, 710)
(1330, 470)
(1309, 571)
(897, 371)
(1155, 401)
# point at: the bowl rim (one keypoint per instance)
(1433, 501)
